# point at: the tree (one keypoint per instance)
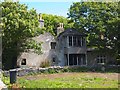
(99, 20)
(114, 33)
(52, 21)
(18, 25)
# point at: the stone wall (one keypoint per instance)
(57, 69)
(34, 59)
(92, 55)
(30, 71)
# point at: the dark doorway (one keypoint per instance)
(77, 59)
(53, 45)
(23, 62)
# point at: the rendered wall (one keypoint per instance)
(33, 59)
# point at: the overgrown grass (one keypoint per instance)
(74, 81)
(6, 80)
(45, 64)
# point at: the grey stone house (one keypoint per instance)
(69, 48)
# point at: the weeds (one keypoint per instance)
(45, 64)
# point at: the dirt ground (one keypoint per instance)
(112, 76)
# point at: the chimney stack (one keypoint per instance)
(60, 28)
(41, 21)
(101, 35)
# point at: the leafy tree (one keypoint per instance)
(114, 33)
(18, 25)
(99, 20)
(51, 22)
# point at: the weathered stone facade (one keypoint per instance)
(95, 57)
(33, 59)
(71, 47)
(67, 49)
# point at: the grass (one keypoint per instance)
(76, 80)
(6, 80)
(69, 77)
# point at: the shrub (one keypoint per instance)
(45, 64)
(65, 69)
(78, 69)
(51, 71)
(6, 80)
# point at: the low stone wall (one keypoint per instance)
(56, 69)
(28, 71)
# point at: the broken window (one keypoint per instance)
(53, 45)
(23, 62)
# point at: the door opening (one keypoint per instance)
(77, 59)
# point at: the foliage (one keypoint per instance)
(52, 70)
(52, 21)
(113, 32)
(18, 24)
(6, 80)
(45, 64)
(78, 69)
(32, 44)
(100, 21)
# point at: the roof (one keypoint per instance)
(91, 49)
(71, 31)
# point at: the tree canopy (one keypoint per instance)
(51, 22)
(18, 25)
(99, 20)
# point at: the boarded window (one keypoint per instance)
(53, 45)
(23, 62)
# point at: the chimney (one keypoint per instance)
(41, 21)
(60, 28)
(102, 36)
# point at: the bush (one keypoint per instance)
(78, 69)
(6, 80)
(45, 64)
(65, 69)
(52, 70)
